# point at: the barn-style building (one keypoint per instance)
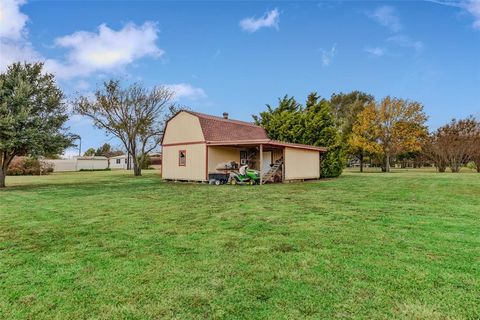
(197, 147)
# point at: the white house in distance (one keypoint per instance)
(197, 147)
(118, 162)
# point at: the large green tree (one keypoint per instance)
(346, 108)
(313, 124)
(32, 115)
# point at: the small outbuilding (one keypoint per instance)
(199, 147)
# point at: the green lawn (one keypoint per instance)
(364, 246)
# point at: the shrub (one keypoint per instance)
(28, 166)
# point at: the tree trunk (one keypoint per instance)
(361, 162)
(387, 163)
(477, 164)
(137, 170)
(441, 168)
(2, 178)
(455, 168)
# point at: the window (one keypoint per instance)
(125, 160)
(118, 161)
(182, 158)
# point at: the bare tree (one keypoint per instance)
(457, 141)
(433, 149)
(133, 114)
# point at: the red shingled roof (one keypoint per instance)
(221, 129)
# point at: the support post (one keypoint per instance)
(261, 164)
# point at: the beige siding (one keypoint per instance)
(63, 165)
(184, 127)
(92, 164)
(195, 162)
(218, 156)
(301, 164)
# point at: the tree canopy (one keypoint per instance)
(313, 124)
(389, 128)
(32, 115)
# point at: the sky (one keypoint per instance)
(239, 56)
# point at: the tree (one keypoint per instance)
(90, 152)
(365, 132)
(282, 122)
(132, 114)
(433, 149)
(313, 125)
(458, 142)
(32, 115)
(346, 107)
(393, 126)
(106, 150)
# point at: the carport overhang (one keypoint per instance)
(262, 145)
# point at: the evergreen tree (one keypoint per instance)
(312, 125)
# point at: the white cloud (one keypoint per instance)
(406, 42)
(470, 6)
(14, 51)
(474, 8)
(387, 17)
(328, 55)
(375, 51)
(14, 45)
(185, 90)
(105, 50)
(12, 21)
(269, 20)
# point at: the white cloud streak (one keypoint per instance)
(470, 6)
(375, 51)
(406, 42)
(387, 17)
(185, 90)
(269, 20)
(328, 55)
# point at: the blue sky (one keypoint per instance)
(239, 56)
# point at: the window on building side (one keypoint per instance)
(182, 158)
(118, 161)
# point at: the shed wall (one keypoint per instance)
(301, 164)
(184, 127)
(195, 165)
(218, 156)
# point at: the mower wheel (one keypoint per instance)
(218, 182)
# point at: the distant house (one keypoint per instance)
(196, 147)
(118, 162)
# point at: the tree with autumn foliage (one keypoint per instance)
(389, 128)
(365, 132)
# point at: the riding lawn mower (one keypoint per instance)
(244, 176)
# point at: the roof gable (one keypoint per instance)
(221, 129)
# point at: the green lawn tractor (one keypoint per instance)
(244, 176)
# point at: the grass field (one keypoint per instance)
(364, 246)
